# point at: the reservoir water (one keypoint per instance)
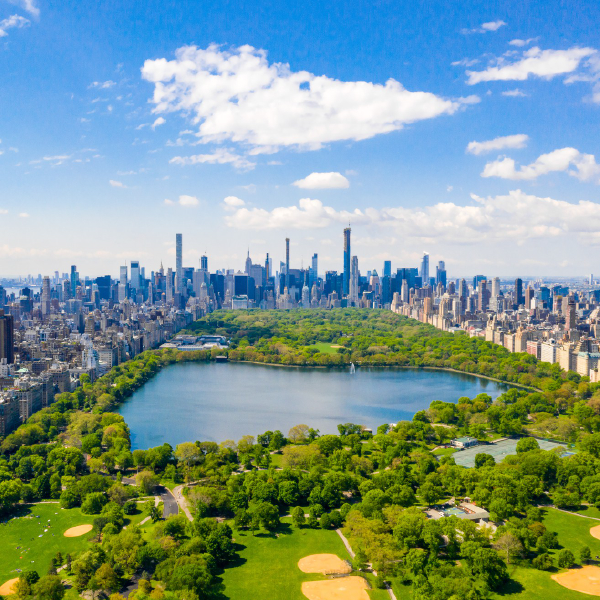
(215, 402)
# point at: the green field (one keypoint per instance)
(22, 548)
(326, 347)
(531, 584)
(268, 565)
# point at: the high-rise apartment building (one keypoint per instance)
(169, 286)
(74, 278)
(440, 273)
(46, 295)
(425, 270)
(7, 337)
(179, 262)
(287, 263)
(354, 280)
(346, 279)
(495, 287)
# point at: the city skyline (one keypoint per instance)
(441, 143)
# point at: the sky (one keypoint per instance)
(467, 130)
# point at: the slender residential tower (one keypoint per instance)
(287, 263)
(346, 279)
(178, 262)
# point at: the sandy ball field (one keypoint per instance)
(8, 587)
(344, 588)
(585, 580)
(79, 530)
(323, 563)
(595, 532)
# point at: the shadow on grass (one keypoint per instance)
(510, 588)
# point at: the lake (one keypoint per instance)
(215, 402)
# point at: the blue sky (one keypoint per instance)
(468, 131)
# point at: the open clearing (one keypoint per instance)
(343, 588)
(586, 580)
(79, 530)
(324, 563)
(8, 587)
(326, 348)
(268, 563)
(595, 532)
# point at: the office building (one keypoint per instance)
(135, 275)
(425, 270)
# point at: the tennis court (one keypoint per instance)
(499, 450)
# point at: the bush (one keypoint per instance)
(325, 521)
(93, 503)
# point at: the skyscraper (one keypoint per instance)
(267, 267)
(387, 268)
(287, 263)
(179, 262)
(135, 275)
(425, 270)
(74, 278)
(519, 298)
(46, 295)
(7, 341)
(440, 273)
(204, 263)
(495, 287)
(354, 280)
(346, 279)
(169, 288)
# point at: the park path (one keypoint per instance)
(351, 553)
(182, 501)
(568, 512)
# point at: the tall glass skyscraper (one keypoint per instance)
(425, 270)
(346, 281)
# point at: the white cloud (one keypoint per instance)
(515, 216)
(500, 143)
(158, 122)
(28, 5)
(539, 63)
(516, 93)
(485, 27)
(103, 85)
(220, 156)
(24, 215)
(449, 188)
(465, 62)
(323, 181)
(520, 43)
(238, 96)
(117, 184)
(582, 166)
(13, 22)
(232, 203)
(3, 211)
(184, 200)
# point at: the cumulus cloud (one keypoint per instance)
(28, 5)
(322, 181)
(536, 62)
(500, 143)
(485, 27)
(117, 184)
(184, 200)
(232, 203)
(515, 216)
(3, 211)
(582, 166)
(220, 156)
(24, 215)
(516, 93)
(13, 22)
(237, 95)
(520, 43)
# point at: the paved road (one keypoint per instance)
(180, 498)
(170, 504)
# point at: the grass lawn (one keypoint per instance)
(268, 565)
(444, 451)
(35, 552)
(531, 584)
(589, 511)
(325, 347)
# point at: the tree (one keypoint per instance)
(566, 559)
(328, 444)
(106, 578)
(509, 545)
(188, 453)
(146, 481)
(484, 460)
(298, 434)
(527, 444)
(49, 587)
(298, 517)
(585, 554)
(543, 562)
(93, 503)
(325, 521)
